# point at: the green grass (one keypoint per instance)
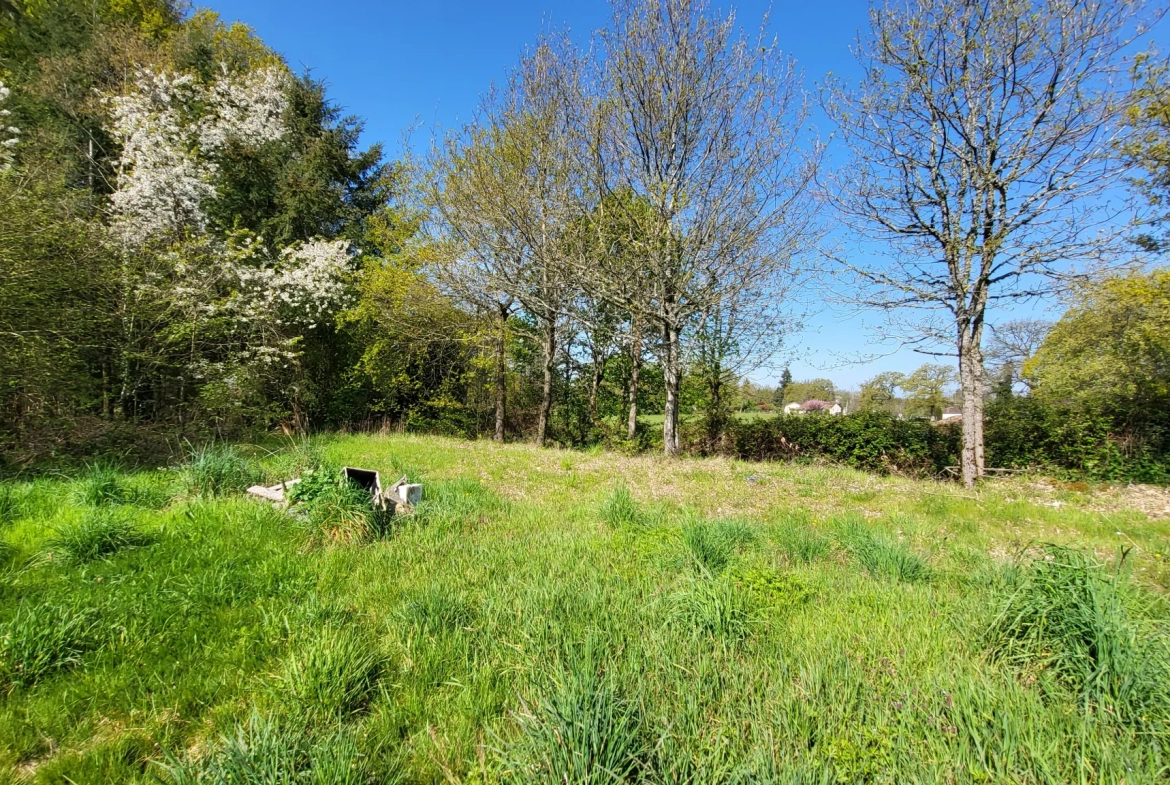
(548, 616)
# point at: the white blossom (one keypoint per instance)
(170, 128)
(9, 134)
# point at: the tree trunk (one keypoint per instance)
(599, 362)
(550, 348)
(672, 375)
(971, 386)
(635, 372)
(501, 375)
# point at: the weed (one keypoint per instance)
(99, 534)
(213, 470)
(581, 732)
(1067, 614)
(333, 674)
(881, 555)
(41, 639)
(620, 508)
(712, 543)
(337, 510)
(773, 589)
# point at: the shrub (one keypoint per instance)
(581, 732)
(620, 508)
(266, 752)
(213, 470)
(873, 441)
(333, 674)
(1067, 615)
(99, 534)
(41, 639)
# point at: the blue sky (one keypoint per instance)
(403, 64)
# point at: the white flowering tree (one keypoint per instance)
(230, 309)
(9, 134)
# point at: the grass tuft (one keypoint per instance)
(341, 511)
(459, 505)
(39, 640)
(621, 509)
(712, 543)
(880, 554)
(714, 608)
(333, 674)
(583, 731)
(435, 610)
(214, 470)
(99, 534)
(799, 541)
(1068, 615)
(267, 752)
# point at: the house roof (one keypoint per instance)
(953, 410)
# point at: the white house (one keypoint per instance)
(832, 408)
(952, 413)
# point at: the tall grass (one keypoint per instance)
(620, 509)
(102, 484)
(1068, 615)
(711, 544)
(341, 512)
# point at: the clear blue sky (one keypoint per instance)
(398, 64)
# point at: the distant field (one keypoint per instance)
(556, 616)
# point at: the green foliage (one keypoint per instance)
(99, 534)
(101, 485)
(333, 674)
(800, 541)
(809, 390)
(717, 609)
(874, 441)
(342, 511)
(39, 639)
(1069, 616)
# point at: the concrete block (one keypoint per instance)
(409, 493)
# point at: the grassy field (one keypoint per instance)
(552, 616)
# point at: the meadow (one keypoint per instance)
(577, 617)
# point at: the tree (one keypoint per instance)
(1012, 344)
(782, 388)
(1110, 352)
(810, 390)
(926, 387)
(699, 125)
(981, 139)
(1147, 146)
(880, 393)
(505, 191)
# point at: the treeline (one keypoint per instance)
(193, 243)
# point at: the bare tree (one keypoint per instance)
(1012, 344)
(504, 190)
(698, 125)
(982, 137)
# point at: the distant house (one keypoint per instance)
(952, 413)
(827, 407)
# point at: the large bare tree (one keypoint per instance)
(696, 125)
(504, 190)
(981, 137)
